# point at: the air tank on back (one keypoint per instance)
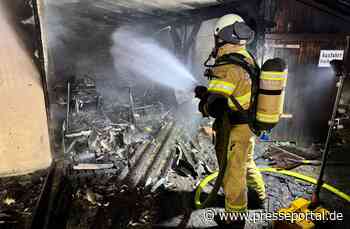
(270, 99)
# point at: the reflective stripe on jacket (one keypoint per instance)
(231, 79)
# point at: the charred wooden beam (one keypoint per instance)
(40, 43)
(347, 56)
(338, 12)
(247, 9)
(305, 36)
(53, 206)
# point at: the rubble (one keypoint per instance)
(161, 182)
(102, 155)
(79, 134)
(8, 201)
(92, 136)
(123, 172)
(183, 166)
(86, 166)
(18, 199)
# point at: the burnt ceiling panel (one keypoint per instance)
(153, 7)
(115, 12)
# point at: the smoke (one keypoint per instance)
(135, 55)
(143, 59)
(56, 29)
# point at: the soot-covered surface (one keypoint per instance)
(156, 187)
(171, 204)
(104, 201)
(18, 199)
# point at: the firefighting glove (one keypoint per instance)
(201, 92)
(217, 105)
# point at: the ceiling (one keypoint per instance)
(84, 19)
(123, 11)
(114, 12)
(141, 6)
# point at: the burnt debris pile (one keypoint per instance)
(18, 199)
(92, 141)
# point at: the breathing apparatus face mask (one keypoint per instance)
(237, 33)
(218, 43)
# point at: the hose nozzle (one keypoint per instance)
(201, 92)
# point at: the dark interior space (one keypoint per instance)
(102, 126)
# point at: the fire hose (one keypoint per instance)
(209, 178)
(220, 174)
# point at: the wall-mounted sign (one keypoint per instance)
(327, 55)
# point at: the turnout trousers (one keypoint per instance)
(241, 170)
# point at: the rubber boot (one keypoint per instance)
(254, 202)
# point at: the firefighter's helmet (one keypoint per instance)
(231, 28)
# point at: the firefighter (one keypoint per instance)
(231, 35)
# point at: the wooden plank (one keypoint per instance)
(309, 90)
(347, 55)
(305, 36)
(286, 46)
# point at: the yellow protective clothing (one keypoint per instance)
(241, 169)
(231, 79)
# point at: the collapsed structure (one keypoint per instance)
(129, 153)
